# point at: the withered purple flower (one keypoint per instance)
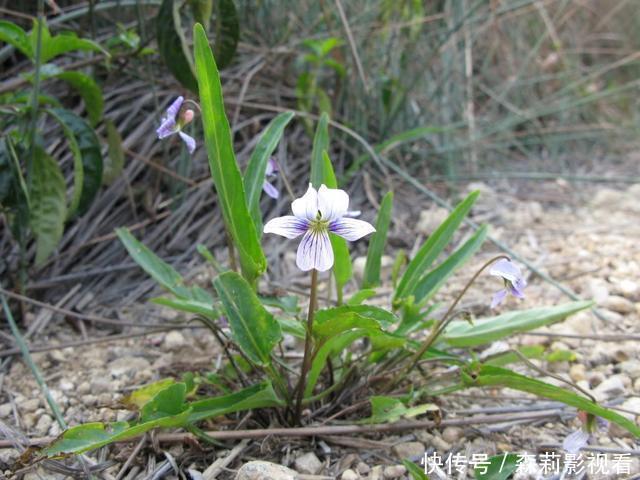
(272, 169)
(174, 121)
(514, 282)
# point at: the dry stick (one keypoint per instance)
(352, 45)
(216, 467)
(132, 457)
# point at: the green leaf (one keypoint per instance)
(114, 163)
(222, 162)
(227, 33)
(389, 409)
(254, 174)
(172, 45)
(506, 358)
(51, 47)
(190, 305)
(485, 375)
(167, 402)
(254, 329)
(256, 396)
(141, 396)
(87, 155)
(14, 35)
(498, 467)
(164, 274)
(463, 334)
(414, 470)
(320, 145)
(88, 90)
(48, 204)
(433, 247)
(201, 10)
(331, 321)
(429, 284)
(292, 327)
(360, 296)
(371, 277)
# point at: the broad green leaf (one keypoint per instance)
(429, 284)
(14, 35)
(57, 45)
(48, 204)
(320, 144)
(163, 273)
(172, 45)
(254, 329)
(256, 396)
(201, 10)
(141, 396)
(222, 162)
(416, 472)
(114, 163)
(331, 321)
(463, 334)
(288, 303)
(88, 90)
(167, 402)
(389, 409)
(485, 375)
(371, 277)
(190, 305)
(227, 31)
(498, 467)
(254, 174)
(433, 247)
(506, 358)
(292, 327)
(87, 155)
(360, 296)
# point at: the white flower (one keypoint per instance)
(315, 215)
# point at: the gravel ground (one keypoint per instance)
(586, 238)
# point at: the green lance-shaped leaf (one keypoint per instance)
(464, 334)
(48, 204)
(84, 143)
(320, 144)
(254, 329)
(433, 247)
(227, 31)
(57, 45)
(14, 35)
(485, 375)
(254, 174)
(222, 162)
(371, 277)
(429, 284)
(88, 90)
(114, 162)
(416, 472)
(164, 274)
(389, 409)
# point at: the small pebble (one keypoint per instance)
(394, 471)
(349, 475)
(308, 463)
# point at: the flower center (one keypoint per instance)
(319, 225)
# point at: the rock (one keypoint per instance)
(452, 434)
(30, 405)
(66, 385)
(611, 387)
(174, 340)
(597, 289)
(5, 410)
(440, 445)
(628, 289)
(578, 372)
(44, 424)
(308, 463)
(394, 471)
(8, 456)
(376, 473)
(408, 450)
(618, 304)
(631, 404)
(358, 267)
(630, 367)
(363, 468)
(349, 475)
(578, 324)
(127, 366)
(83, 388)
(100, 385)
(431, 219)
(260, 470)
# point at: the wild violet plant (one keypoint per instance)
(334, 372)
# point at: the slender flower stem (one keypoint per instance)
(307, 345)
(440, 326)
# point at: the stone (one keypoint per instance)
(431, 219)
(408, 450)
(8, 456)
(611, 387)
(363, 468)
(261, 470)
(618, 304)
(84, 388)
(127, 366)
(376, 473)
(440, 444)
(100, 385)
(630, 367)
(66, 385)
(349, 475)
(452, 434)
(6, 409)
(30, 405)
(578, 372)
(43, 425)
(174, 340)
(394, 471)
(308, 463)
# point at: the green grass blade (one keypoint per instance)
(371, 277)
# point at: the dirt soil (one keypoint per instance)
(583, 236)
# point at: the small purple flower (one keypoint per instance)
(577, 440)
(272, 169)
(172, 123)
(315, 215)
(514, 282)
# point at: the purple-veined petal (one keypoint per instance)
(352, 213)
(287, 226)
(306, 207)
(505, 269)
(167, 127)
(575, 441)
(350, 228)
(517, 288)
(270, 190)
(189, 141)
(332, 203)
(498, 298)
(174, 108)
(315, 251)
(272, 167)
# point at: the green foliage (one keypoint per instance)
(114, 162)
(224, 169)
(371, 277)
(500, 467)
(389, 409)
(415, 471)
